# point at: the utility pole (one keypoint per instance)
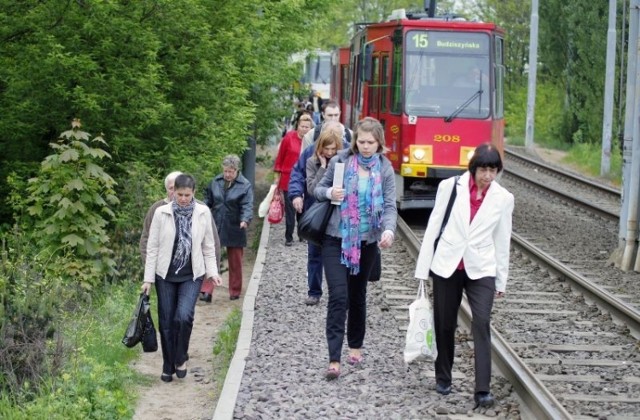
(631, 149)
(607, 118)
(533, 70)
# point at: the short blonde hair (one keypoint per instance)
(305, 117)
(328, 137)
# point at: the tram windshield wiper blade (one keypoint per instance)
(463, 106)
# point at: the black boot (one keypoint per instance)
(206, 297)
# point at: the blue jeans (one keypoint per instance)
(314, 270)
(176, 311)
(347, 296)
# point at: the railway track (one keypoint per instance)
(565, 337)
(561, 351)
(582, 192)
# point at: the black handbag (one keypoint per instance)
(135, 329)
(149, 337)
(313, 223)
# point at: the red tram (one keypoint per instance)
(435, 83)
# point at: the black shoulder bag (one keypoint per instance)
(447, 213)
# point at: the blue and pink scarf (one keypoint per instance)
(350, 212)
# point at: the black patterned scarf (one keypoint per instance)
(184, 216)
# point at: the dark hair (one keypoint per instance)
(369, 125)
(485, 156)
(185, 181)
(330, 104)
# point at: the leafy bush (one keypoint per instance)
(29, 350)
(70, 202)
(95, 381)
(550, 116)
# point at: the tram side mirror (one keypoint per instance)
(368, 59)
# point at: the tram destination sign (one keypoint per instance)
(447, 42)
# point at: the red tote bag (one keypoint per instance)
(276, 208)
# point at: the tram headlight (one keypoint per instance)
(466, 153)
(422, 153)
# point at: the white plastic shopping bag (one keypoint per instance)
(263, 209)
(421, 338)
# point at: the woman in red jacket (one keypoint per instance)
(288, 154)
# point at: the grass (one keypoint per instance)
(587, 157)
(225, 345)
(96, 381)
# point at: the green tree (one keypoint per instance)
(70, 201)
(175, 84)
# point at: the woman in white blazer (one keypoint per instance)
(180, 254)
(472, 255)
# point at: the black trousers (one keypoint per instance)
(447, 296)
(347, 296)
(290, 216)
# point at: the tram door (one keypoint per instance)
(378, 87)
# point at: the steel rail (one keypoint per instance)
(602, 298)
(604, 188)
(582, 203)
(538, 400)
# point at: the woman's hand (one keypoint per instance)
(386, 240)
(322, 160)
(337, 193)
(146, 288)
(243, 225)
(298, 204)
(217, 280)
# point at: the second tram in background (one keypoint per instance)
(316, 73)
(435, 83)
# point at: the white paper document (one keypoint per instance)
(338, 178)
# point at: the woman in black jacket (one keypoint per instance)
(230, 198)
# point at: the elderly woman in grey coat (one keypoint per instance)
(365, 219)
(230, 198)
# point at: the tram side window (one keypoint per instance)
(500, 72)
(374, 88)
(396, 83)
(384, 83)
(344, 82)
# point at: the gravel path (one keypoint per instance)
(284, 372)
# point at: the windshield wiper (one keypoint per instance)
(463, 106)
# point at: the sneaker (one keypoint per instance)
(312, 300)
(288, 243)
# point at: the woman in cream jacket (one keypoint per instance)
(180, 255)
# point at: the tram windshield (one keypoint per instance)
(443, 71)
(317, 68)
